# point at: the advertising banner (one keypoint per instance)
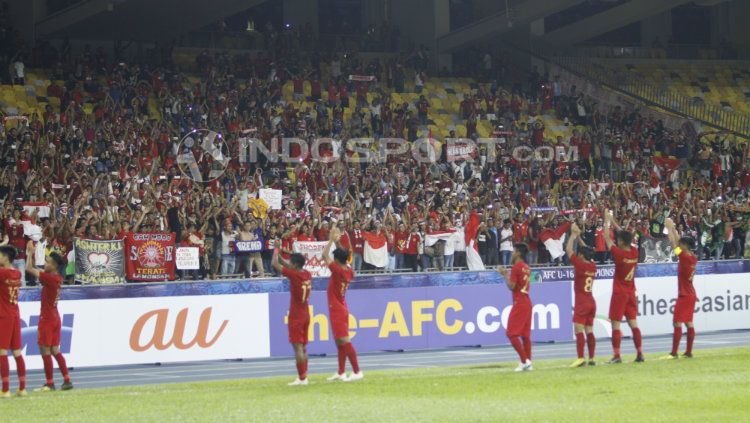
(313, 252)
(429, 317)
(119, 331)
(150, 256)
(99, 262)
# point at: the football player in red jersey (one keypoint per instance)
(519, 321)
(10, 322)
(686, 296)
(584, 311)
(300, 286)
(341, 276)
(49, 327)
(624, 301)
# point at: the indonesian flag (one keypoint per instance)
(434, 237)
(553, 239)
(667, 165)
(473, 260)
(376, 249)
(30, 206)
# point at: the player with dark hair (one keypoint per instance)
(10, 322)
(341, 276)
(623, 302)
(519, 321)
(300, 287)
(686, 296)
(584, 312)
(50, 325)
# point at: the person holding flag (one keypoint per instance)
(473, 259)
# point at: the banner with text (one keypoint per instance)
(150, 256)
(99, 262)
(254, 246)
(313, 252)
(427, 317)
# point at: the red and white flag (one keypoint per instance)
(376, 249)
(30, 206)
(473, 260)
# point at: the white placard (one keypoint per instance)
(187, 258)
(272, 197)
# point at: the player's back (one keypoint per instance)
(341, 277)
(51, 286)
(685, 273)
(10, 282)
(520, 273)
(583, 279)
(300, 286)
(626, 262)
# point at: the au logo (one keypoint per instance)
(158, 339)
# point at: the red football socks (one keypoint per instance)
(690, 339)
(21, 370)
(616, 339)
(676, 336)
(518, 345)
(580, 343)
(352, 355)
(63, 367)
(527, 346)
(5, 372)
(591, 340)
(47, 360)
(301, 371)
(342, 358)
(637, 340)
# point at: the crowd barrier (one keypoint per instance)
(192, 321)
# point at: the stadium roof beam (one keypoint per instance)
(611, 19)
(140, 20)
(500, 23)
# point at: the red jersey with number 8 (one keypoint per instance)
(10, 282)
(584, 274)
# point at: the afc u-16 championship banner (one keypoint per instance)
(150, 257)
(254, 246)
(99, 262)
(313, 252)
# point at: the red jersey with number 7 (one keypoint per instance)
(300, 285)
(685, 273)
(341, 277)
(625, 264)
(520, 274)
(10, 282)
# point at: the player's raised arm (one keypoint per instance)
(574, 232)
(506, 275)
(607, 229)
(674, 238)
(30, 269)
(277, 262)
(334, 236)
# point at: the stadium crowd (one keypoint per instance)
(113, 169)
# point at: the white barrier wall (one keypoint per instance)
(723, 303)
(157, 329)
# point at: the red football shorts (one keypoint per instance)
(519, 320)
(298, 328)
(584, 311)
(623, 304)
(339, 323)
(684, 309)
(48, 332)
(10, 333)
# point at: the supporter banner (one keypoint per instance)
(99, 262)
(188, 258)
(460, 151)
(248, 246)
(272, 197)
(362, 78)
(42, 207)
(428, 317)
(723, 303)
(656, 250)
(150, 256)
(313, 252)
(108, 332)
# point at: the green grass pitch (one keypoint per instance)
(713, 387)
